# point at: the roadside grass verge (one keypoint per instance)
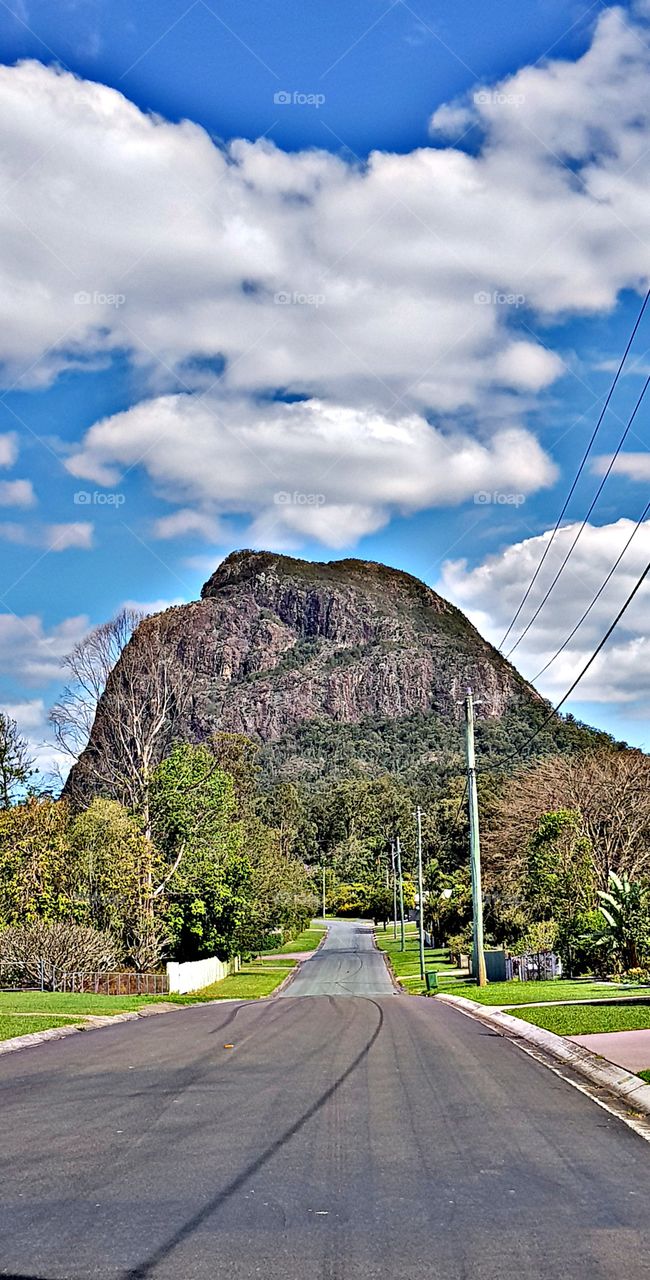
(586, 1019)
(308, 940)
(503, 993)
(244, 985)
(406, 964)
(13, 1024)
(644, 1075)
(38, 1010)
(49, 1002)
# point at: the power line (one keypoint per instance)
(587, 665)
(597, 596)
(580, 468)
(584, 522)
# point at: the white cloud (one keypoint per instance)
(636, 466)
(387, 295)
(156, 606)
(492, 591)
(52, 537)
(8, 449)
(32, 720)
(177, 249)
(17, 493)
(185, 522)
(309, 468)
(33, 654)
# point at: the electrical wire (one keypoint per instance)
(594, 500)
(597, 596)
(553, 712)
(580, 468)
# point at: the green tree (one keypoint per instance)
(114, 867)
(36, 871)
(559, 881)
(207, 877)
(16, 764)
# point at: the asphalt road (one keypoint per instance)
(347, 964)
(367, 1138)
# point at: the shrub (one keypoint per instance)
(44, 949)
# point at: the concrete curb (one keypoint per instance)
(91, 1022)
(598, 1070)
(398, 989)
(95, 1022)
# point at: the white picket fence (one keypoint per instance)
(196, 974)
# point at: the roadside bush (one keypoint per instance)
(44, 949)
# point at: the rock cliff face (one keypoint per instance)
(275, 644)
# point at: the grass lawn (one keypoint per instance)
(645, 1075)
(14, 1025)
(406, 964)
(501, 993)
(587, 1019)
(239, 986)
(48, 1002)
(308, 940)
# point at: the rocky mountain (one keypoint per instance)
(348, 664)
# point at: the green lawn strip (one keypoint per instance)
(506, 993)
(239, 986)
(644, 1075)
(13, 1024)
(51, 1002)
(586, 1019)
(308, 940)
(406, 964)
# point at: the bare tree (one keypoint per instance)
(610, 790)
(88, 666)
(16, 764)
(141, 713)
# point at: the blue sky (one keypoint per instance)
(381, 326)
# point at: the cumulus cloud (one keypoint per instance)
(16, 493)
(31, 717)
(184, 522)
(310, 468)
(8, 449)
(492, 591)
(635, 466)
(386, 296)
(30, 652)
(51, 537)
(306, 272)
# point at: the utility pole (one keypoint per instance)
(402, 945)
(474, 846)
(323, 893)
(418, 813)
(392, 861)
